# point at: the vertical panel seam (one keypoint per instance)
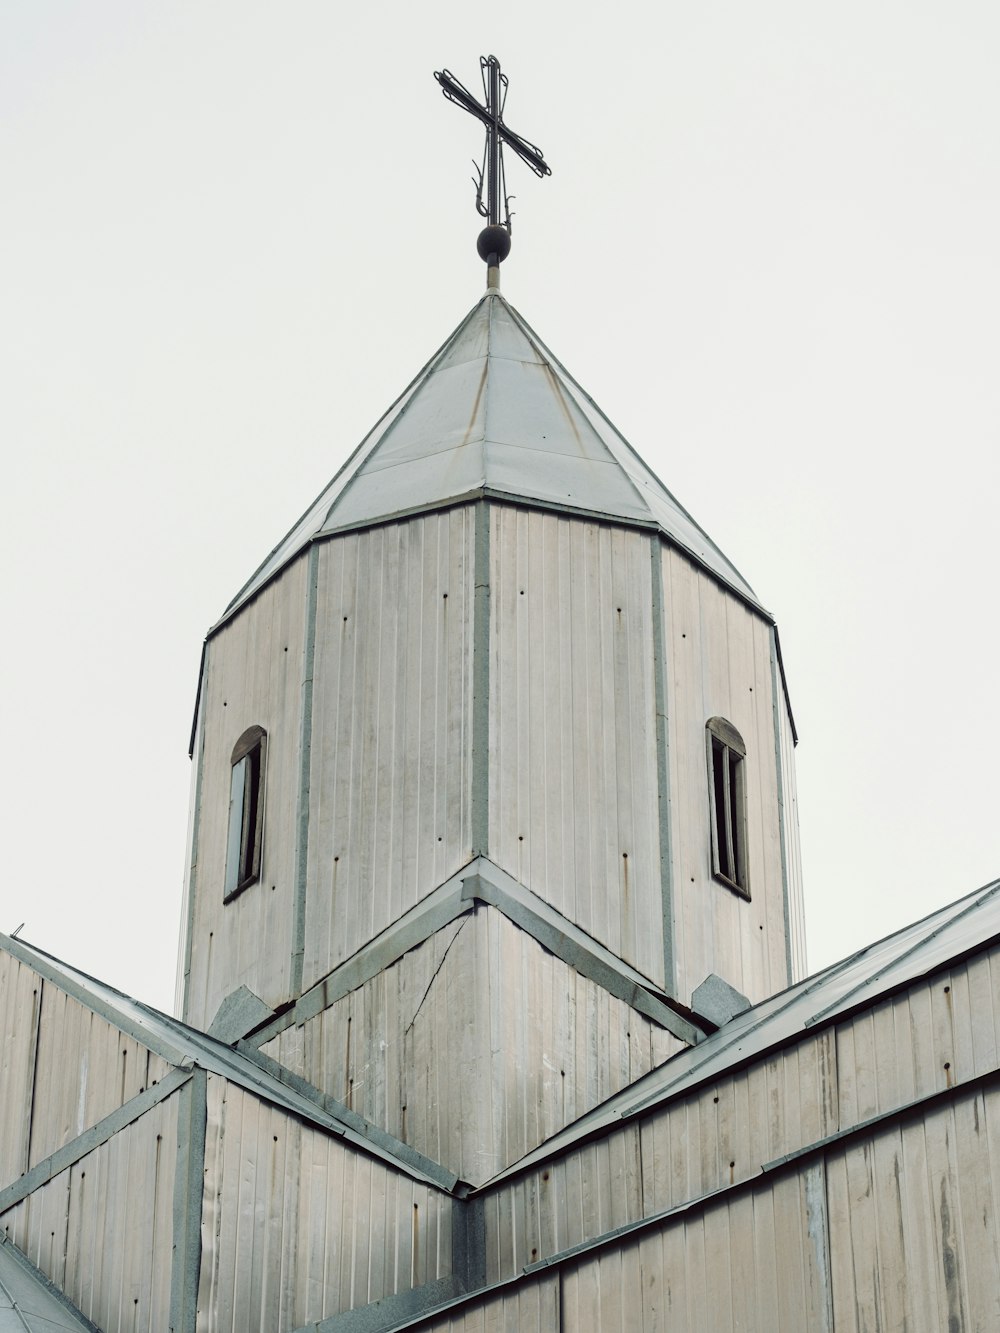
(481, 684)
(786, 896)
(189, 1191)
(305, 760)
(662, 763)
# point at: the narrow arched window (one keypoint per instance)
(727, 790)
(246, 811)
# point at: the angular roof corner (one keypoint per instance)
(494, 413)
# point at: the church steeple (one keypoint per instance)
(494, 805)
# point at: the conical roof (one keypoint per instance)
(493, 413)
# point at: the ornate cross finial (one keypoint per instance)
(494, 240)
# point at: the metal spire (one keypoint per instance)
(494, 241)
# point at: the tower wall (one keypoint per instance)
(574, 812)
(391, 736)
(252, 675)
(720, 663)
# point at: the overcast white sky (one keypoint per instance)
(232, 232)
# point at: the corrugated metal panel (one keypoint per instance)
(573, 778)
(183, 1046)
(744, 1265)
(62, 1068)
(471, 1075)
(102, 1230)
(719, 665)
(390, 787)
(297, 1227)
(941, 1032)
(913, 1220)
(84, 1069)
(253, 676)
(20, 990)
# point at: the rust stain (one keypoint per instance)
(475, 406)
(561, 400)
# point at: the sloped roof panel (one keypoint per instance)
(28, 1303)
(495, 413)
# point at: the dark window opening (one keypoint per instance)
(246, 811)
(727, 791)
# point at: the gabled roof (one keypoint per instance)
(493, 413)
(946, 936)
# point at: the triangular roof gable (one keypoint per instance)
(186, 1047)
(494, 413)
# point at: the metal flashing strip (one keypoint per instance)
(480, 796)
(197, 737)
(146, 1025)
(398, 1311)
(440, 907)
(382, 1142)
(842, 1005)
(811, 1152)
(70, 1153)
(160, 1034)
(774, 1023)
(575, 947)
(35, 1301)
(663, 763)
(781, 807)
(189, 1191)
(305, 774)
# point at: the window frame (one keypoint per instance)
(726, 754)
(247, 767)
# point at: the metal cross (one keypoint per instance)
(497, 134)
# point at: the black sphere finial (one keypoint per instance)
(493, 244)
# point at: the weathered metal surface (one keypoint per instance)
(475, 1046)
(28, 1302)
(298, 1227)
(913, 1215)
(767, 1090)
(720, 664)
(574, 812)
(253, 676)
(389, 816)
(494, 413)
(62, 1068)
(185, 1047)
(102, 1229)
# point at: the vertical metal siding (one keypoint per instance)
(939, 1032)
(913, 1219)
(62, 1068)
(20, 994)
(391, 751)
(529, 1309)
(298, 1227)
(253, 675)
(573, 778)
(740, 1264)
(719, 664)
(102, 1229)
(474, 1074)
